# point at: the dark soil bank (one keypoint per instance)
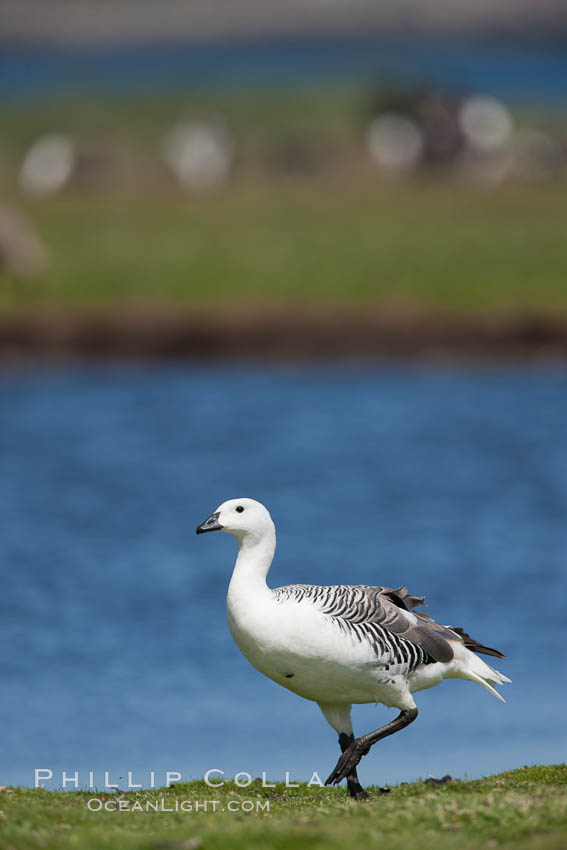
(278, 334)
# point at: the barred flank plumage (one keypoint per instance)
(383, 616)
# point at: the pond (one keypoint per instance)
(116, 653)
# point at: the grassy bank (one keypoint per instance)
(523, 809)
(432, 244)
(305, 217)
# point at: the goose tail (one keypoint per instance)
(470, 666)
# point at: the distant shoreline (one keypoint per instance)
(126, 22)
(278, 334)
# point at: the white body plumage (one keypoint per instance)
(297, 645)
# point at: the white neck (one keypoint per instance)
(255, 556)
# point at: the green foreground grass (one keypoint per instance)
(524, 809)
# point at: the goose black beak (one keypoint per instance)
(210, 524)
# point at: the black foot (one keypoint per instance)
(354, 748)
(346, 764)
(358, 793)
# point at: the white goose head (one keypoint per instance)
(248, 520)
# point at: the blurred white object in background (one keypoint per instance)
(48, 165)
(22, 254)
(395, 142)
(200, 154)
(485, 123)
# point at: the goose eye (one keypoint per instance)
(239, 509)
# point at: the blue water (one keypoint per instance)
(533, 71)
(115, 651)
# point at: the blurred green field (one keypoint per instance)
(425, 243)
(260, 118)
(341, 234)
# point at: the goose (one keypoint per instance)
(339, 645)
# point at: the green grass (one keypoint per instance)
(340, 235)
(433, 244)
(259, 118)
(524, 809)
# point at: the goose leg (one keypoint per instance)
(338, 716)
(360, 746)
(355, 789)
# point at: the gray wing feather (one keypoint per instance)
(383, 607)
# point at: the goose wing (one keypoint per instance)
(384, 614)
